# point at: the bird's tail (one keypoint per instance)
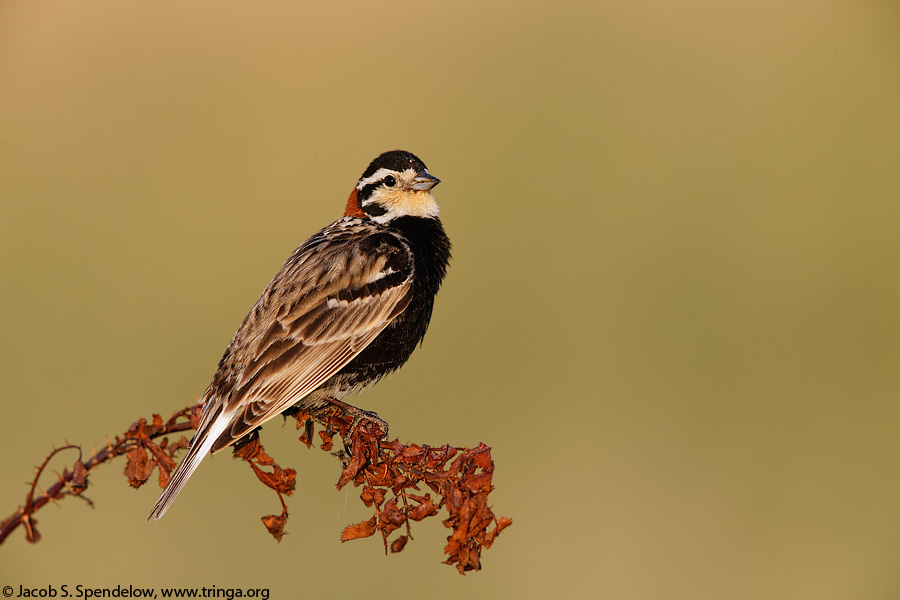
(207, 434)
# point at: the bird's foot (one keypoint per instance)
(359, 416)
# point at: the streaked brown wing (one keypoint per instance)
(333, 296)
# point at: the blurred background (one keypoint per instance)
(672, 309)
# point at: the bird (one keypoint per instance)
(348, 307)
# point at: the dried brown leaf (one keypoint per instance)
(479, 483)
(380, 475)
(286, 480)
(261, 457)
(360, 530)
(481, 457)
(79, 480)
(139, 467)
(156, 427)
(425, 509)
(400, 543)
(490, 536)
(247, 451)
(372, 496)
(390, 517)
(275, 524)
(354, 466)
(160, 455)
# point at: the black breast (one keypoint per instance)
(393, 347)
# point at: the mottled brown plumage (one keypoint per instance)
(348, 307)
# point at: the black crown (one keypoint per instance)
(395, 160)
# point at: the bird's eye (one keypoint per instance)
(389, 181)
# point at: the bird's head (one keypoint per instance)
(396, 184)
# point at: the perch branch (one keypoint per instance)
(397, 479)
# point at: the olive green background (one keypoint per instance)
(672, 309)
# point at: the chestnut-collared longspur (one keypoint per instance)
(348, 307)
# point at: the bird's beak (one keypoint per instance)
(424, 181)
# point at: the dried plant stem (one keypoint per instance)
(392, 476)
(71, 482)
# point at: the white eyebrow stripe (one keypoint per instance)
(375, 177)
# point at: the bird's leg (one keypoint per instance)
(359, 416)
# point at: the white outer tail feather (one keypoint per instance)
(200, 447)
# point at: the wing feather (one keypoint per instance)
(356, 286)
(330, 300)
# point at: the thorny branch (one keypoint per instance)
(72, 482)
(392, 476)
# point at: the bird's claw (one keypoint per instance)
(359, 416)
